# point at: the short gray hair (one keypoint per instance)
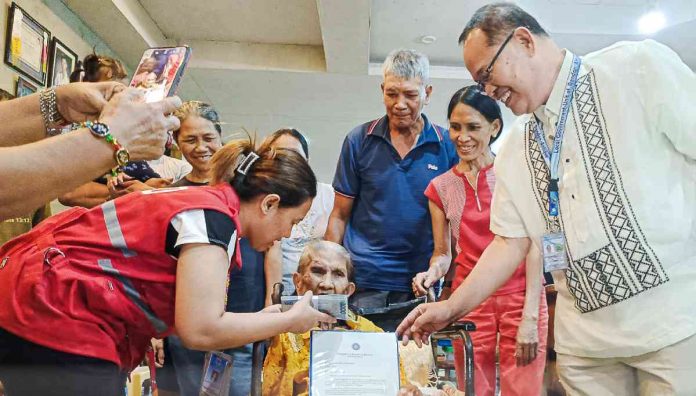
(407, 64)
(319, 246)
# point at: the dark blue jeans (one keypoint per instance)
(246, 293)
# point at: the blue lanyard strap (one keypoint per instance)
(553, 157)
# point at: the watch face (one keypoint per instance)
(122, 157)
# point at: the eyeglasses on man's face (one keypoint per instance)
(486, 74)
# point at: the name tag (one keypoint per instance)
(217, 374)
(553, 248)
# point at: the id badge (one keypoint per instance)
(554, 250)
(217, 374)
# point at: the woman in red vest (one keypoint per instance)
(82, 294)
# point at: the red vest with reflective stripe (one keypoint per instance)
(98, 282)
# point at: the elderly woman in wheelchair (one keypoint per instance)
(324, 268)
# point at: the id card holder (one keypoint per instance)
(553, 248)
(217, 374)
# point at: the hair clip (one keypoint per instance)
(245, 162)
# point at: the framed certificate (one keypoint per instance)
(26, 45)
(353, 363)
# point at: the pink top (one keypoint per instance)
(468, 211)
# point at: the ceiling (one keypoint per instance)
(314, 64)
(587, 25)
(258, 21)
(354, 37)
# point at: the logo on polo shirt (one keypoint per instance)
(432, 167)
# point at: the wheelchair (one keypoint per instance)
(457, 330)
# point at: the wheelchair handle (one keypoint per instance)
(277, 292)
(460, 330)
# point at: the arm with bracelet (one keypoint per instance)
(61, 163)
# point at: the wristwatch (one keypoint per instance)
(53, 120)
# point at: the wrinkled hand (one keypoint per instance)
(83, 101)
(115, 181)
(142, 128)
(304, 317)
(135, 185)
(424, 320)
(409, 390)
(115, 185)
(527, 342)
(159, 182)
(424, 280)
(126, 185)
(158, 347)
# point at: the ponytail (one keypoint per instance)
(253, 172)
(90, 69)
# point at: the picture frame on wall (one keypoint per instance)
(63, 63)
(26, 45)
(24, 87)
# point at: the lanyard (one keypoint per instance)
(151, 365)
(553, 156)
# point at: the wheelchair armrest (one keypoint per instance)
(456, 329)
(463, 325)
(258, 355)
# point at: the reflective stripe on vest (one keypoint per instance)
(133, 295)
(113, 227)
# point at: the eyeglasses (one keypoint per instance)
(486, 74)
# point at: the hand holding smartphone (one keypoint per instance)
(160, 70)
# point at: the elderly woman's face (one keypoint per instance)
(326, 274)
(403, 99)
(198, 140)
(471, 132)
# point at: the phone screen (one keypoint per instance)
(159, 71)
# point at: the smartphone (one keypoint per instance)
(160, 70)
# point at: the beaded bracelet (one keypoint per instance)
(101, 130)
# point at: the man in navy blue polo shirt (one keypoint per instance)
(380, 213)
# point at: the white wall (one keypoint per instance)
(324, 106)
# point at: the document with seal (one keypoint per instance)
(344, 363)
